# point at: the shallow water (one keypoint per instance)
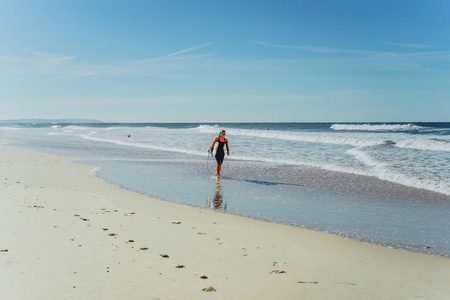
(302, 190)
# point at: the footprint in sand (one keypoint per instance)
(278, 272)
(164, 255)
(209, 289)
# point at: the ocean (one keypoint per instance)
(383, 183)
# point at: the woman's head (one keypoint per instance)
(222, 133)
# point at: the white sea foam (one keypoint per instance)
(383, 127)
(270, 149)
(383, 170)
(362, 153)
(407, 128)
(94, 171)
(309, 137)
(146, 146)
(356, 139)
(365, 158)
(75, 127)
(425, 143)
(374, 168)
(10, 129)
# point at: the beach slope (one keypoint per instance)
(66, 234)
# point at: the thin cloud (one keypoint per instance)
(422, 61)
(178, 53)
(319, 50)
(434, 62)
(51, 57)
(415, 46)
(189, 50)
(33, 64)
(39, 64)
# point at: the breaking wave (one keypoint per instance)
(387, 128)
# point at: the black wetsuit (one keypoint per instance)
(220, 154)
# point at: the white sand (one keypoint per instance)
(66, 235)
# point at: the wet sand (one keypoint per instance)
(68, 235)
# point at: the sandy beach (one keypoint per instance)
(66, 234)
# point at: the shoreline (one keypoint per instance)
(94, 170)
(68, 234)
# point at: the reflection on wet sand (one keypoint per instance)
(217, 202)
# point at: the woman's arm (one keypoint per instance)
(212, 146)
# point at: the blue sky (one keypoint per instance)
(218, 61)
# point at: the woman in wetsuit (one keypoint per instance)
(220, 154)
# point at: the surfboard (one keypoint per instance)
(216, 146)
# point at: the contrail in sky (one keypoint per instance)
(189, 49)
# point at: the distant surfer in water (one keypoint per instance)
(220, 154)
